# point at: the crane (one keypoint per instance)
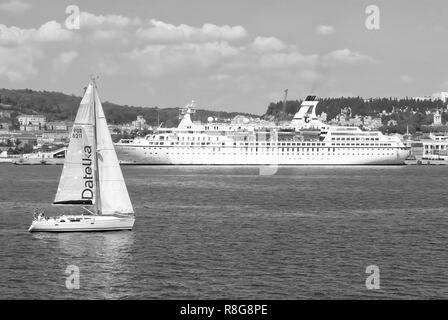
(284, 100)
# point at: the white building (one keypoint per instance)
(440, 96)
(435, 146)
(371, 123)
(438, 136)
(323, 117)
(392, 122)
(435, 96)
(35, 119)
(422, 98)
(58, 126)
(33, 122)
(140, 123)
(437, 119)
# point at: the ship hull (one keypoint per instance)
(170, 156)
(84, 224)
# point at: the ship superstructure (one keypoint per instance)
(304, 141)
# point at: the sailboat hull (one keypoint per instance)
(82, 224)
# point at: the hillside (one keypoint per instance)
(407, 112)
(59, 106)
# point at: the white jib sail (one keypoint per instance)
(77, 182)
(113, 192)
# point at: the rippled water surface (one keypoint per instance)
(229, 232)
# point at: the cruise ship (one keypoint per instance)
(304, 141)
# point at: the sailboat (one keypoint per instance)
(91, 182)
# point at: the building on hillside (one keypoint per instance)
(31, 122)
(5, 113)
(437, 119)
(422, 98)
(35, 119)
(5, 138)
(140, 123)
(344, 120)
(435, 96)
(53, 137)
(371, 123)
(58, 126)
(24, 139)
(5, 125)
(31, 128)
(323, 117)
(392, 122)
(440, 96)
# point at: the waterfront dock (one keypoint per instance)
(426, 162)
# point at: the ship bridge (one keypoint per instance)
(185, 118)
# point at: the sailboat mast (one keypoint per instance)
(97, 206)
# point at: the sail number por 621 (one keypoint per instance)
(246, 309)
(77, 133)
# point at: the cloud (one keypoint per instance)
(112, 36)
(268, 44)
(325, 30)
(18, 64)
(287, 60)
(216, 58)
(14, 6)
(21, 48)
(159, 31)
(50, 31)
(90, 20)
(158, 59)
(13, 35)
(208, 58)
(63, 61)
(346, 56)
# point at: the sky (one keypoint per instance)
(233, 55)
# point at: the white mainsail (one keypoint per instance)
(89, 151)
(114, 197)
(77, 184)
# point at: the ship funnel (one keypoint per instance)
(307, 108)
(306, 113)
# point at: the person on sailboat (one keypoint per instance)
(38, 214)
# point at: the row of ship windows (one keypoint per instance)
(217, 139)
(354, 139)
(188, 138)
(295, 150)
(317, 144)
(308, 154)
(362, 144)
